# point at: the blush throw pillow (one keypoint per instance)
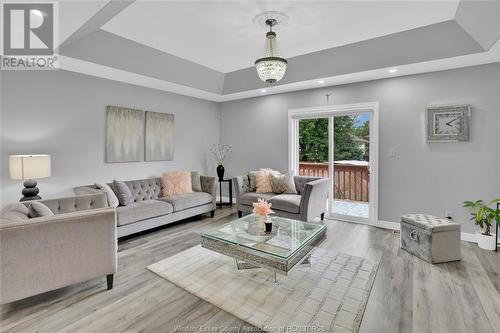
(176, 182)
(112, 199)
(263, 180)
(38, 209)
(283, 184)
(123, 193)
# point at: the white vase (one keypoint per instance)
(485, 242)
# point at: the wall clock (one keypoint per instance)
(448, 123)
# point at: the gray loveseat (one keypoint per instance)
(150, 209)
(307, 204)
(40, 254)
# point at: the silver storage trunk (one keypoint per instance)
(430, 238)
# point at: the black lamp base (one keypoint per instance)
(30, 191)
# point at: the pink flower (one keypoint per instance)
(262, 207)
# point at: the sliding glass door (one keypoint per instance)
(351, 167)
(336, 143)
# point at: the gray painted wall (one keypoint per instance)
(426, 178)
(63, 114)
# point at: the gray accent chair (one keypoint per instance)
(150, 209)
(40, 254)
(307, 204)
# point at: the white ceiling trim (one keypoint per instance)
(111, 73)
(382, 73)
(89, 68)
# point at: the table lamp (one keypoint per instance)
(29, 168)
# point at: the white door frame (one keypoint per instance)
(372, 108)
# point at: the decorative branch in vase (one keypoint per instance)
(221, 153)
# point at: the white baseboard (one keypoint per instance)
(388, 225)
(465, 236)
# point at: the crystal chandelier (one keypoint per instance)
(271, 66)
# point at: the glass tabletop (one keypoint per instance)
(287, 236)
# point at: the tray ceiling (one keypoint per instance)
(221, 35)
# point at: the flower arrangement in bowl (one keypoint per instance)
(262, 209)
(484, 216)
(221, 153)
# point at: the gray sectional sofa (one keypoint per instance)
(150, 209)
(307, 204)
(40, 254)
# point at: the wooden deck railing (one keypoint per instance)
(351, 181)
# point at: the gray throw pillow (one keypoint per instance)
(38, 209)
(252, 183)
(112, 199)
(123, 193)
(195, 181)
(283, 184)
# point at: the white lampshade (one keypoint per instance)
(29, 166)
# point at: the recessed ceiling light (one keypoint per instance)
(393, 70)
(263, 90)
(321, 81)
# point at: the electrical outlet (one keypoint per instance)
(448, 214)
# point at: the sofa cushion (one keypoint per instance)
(123, 193)
(142, 210)
(263, 180)
(250, 197)
(176, 182)
(187, 200)
(283, 184)
(38, 209)
(286, 202)
(196, 181)
(252, 185)
(111, 196)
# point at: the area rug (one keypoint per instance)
(329, 295)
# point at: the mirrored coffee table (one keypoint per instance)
(289, 244)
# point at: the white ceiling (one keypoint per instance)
(221, 34)
(73, 14)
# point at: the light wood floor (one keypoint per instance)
(408, 295)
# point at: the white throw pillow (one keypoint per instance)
(112, 199)
(38, 209)
(283, 184)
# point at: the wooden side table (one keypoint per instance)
(221, 203)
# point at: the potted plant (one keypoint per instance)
(221, 153)
(484, 216)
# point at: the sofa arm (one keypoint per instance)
(209, 185)
(313, 201)
(51, 252)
